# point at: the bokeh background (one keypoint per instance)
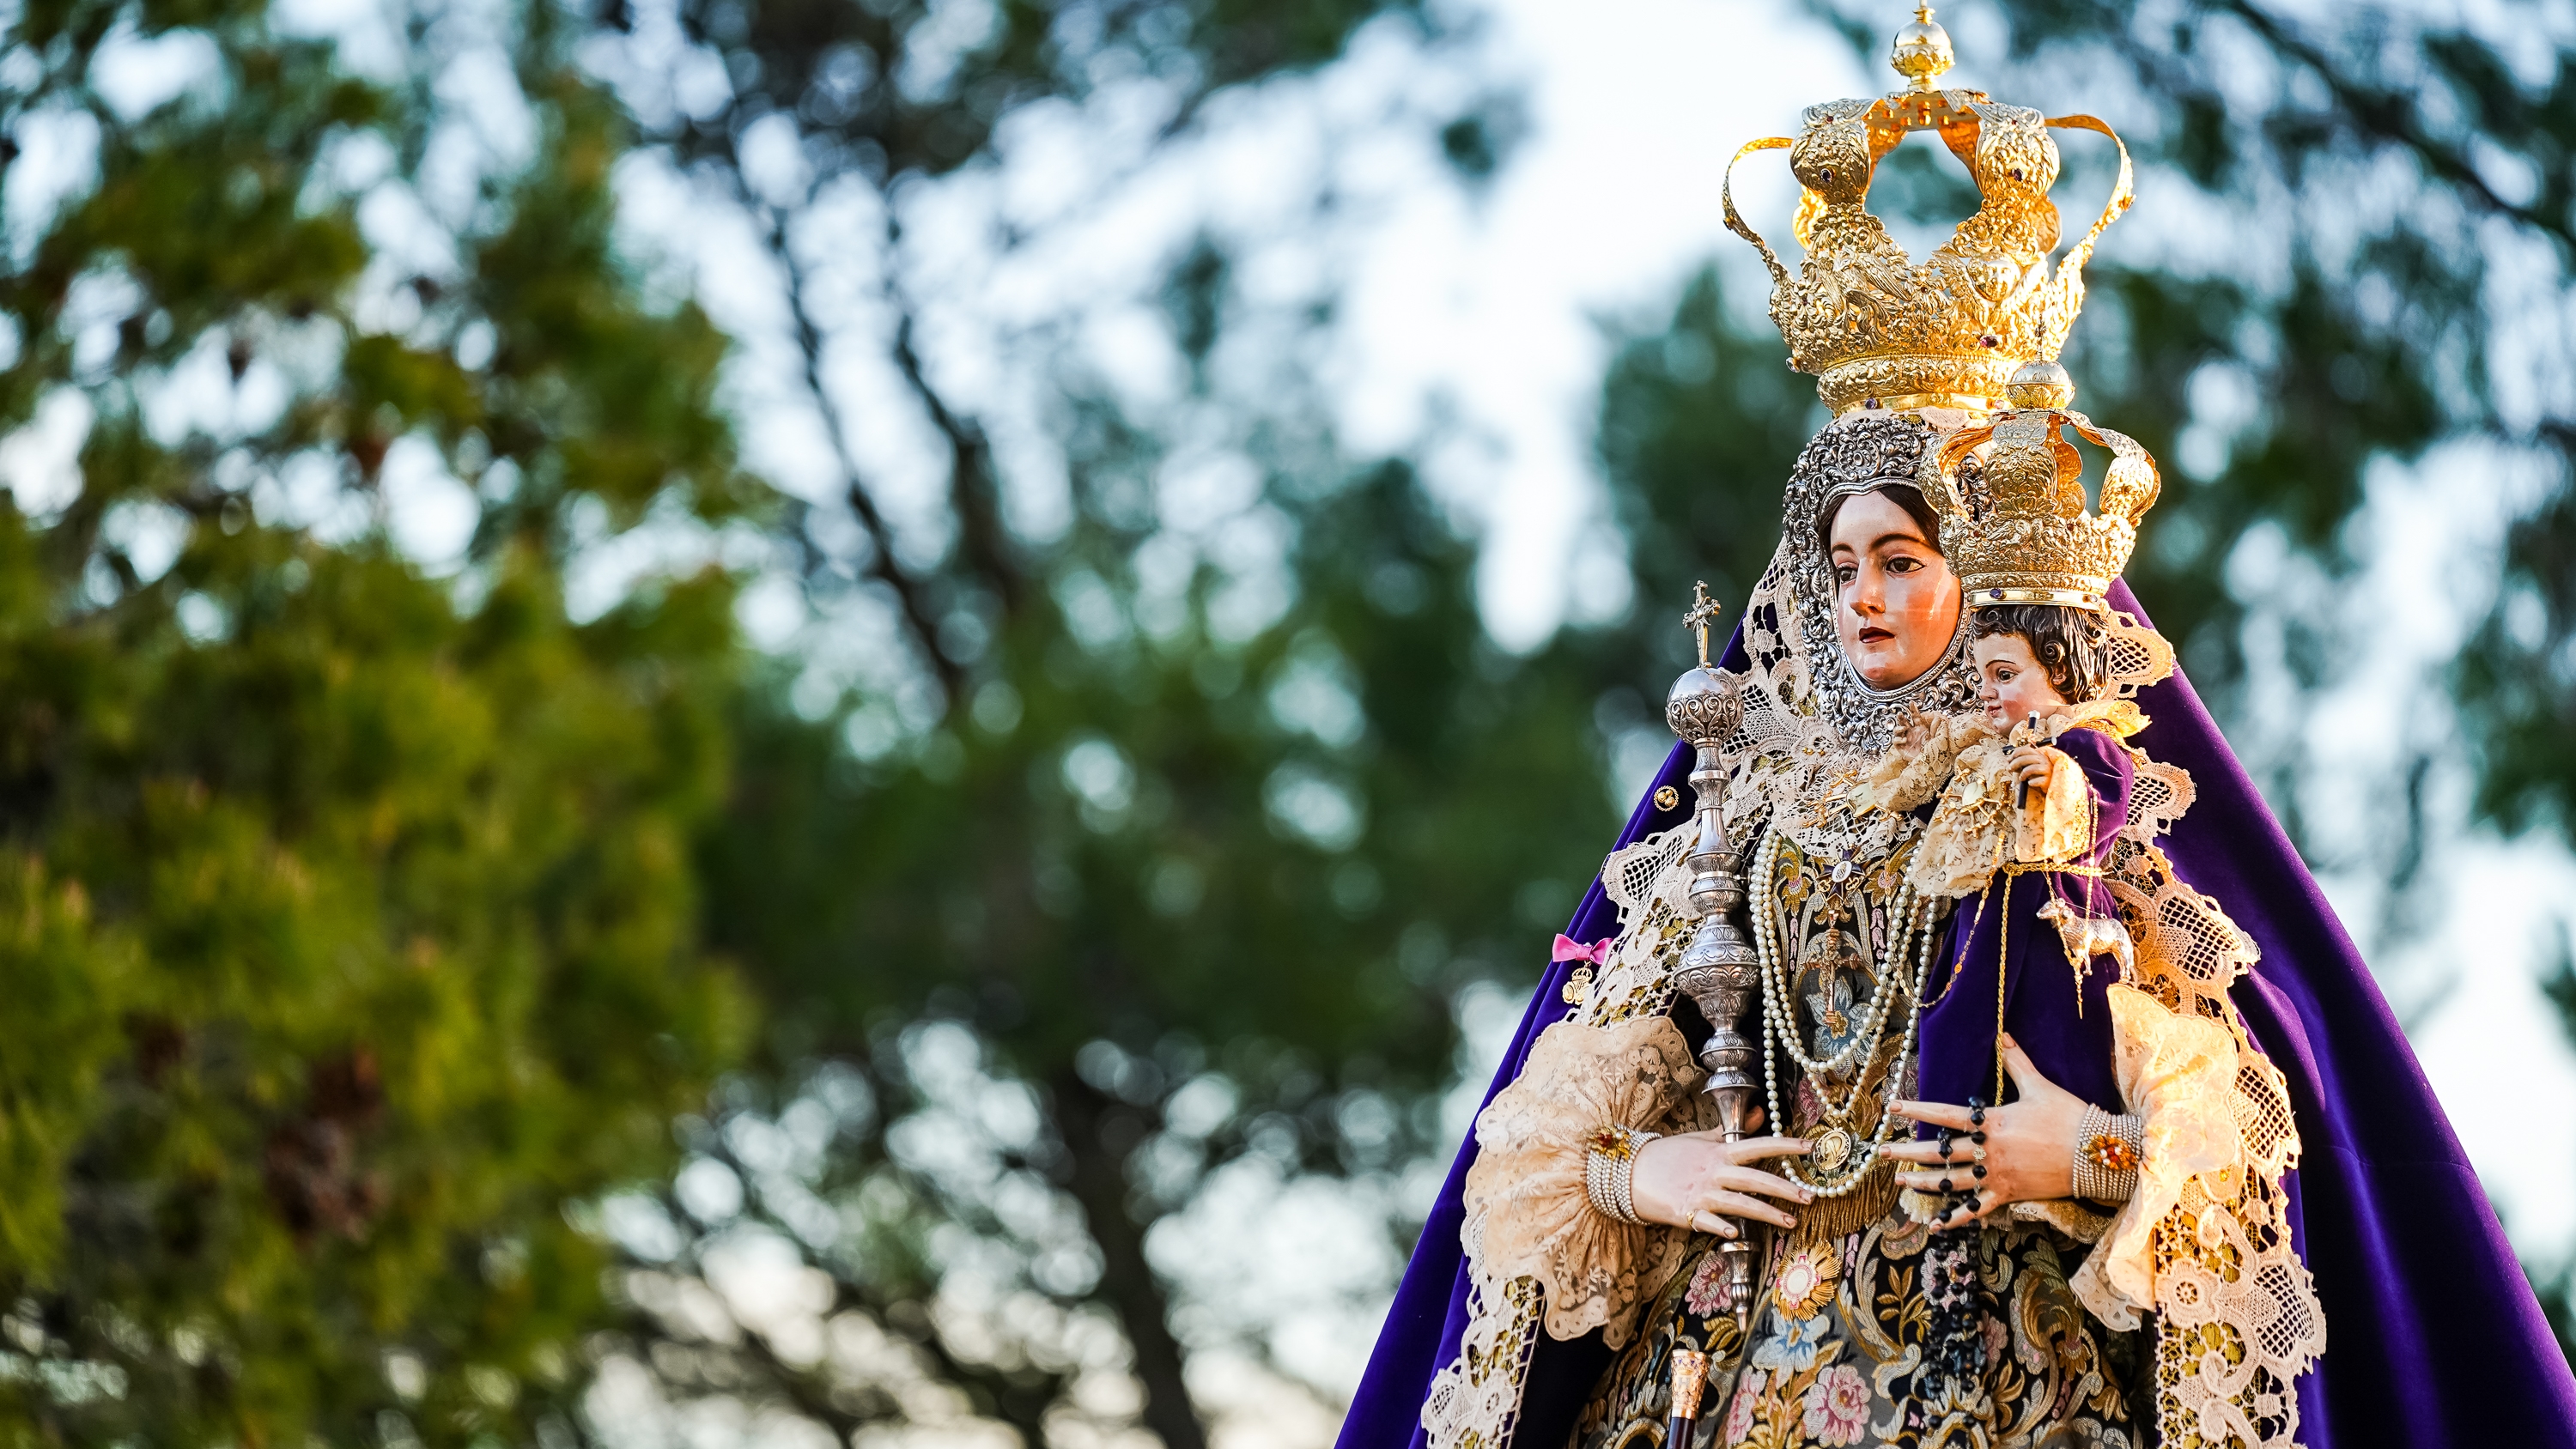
(735, 722)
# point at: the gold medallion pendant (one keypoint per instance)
(1828, 1150)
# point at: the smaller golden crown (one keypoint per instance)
(2014, 525)
(1869, 321)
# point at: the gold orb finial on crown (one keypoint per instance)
(2014, 525)
(1922, 54)
(1951, 330)
(2040, 385)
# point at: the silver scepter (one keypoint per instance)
(1720, 970)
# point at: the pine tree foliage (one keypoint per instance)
(348, 928)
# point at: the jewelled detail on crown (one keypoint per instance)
(2015, 528)
(1872, 323)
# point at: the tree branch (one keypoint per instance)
(2393, 116)
(1021, 1405)
(806, 1390)
(1099, 1185)
(973, 489)
(1019, 1400)
(910, 595)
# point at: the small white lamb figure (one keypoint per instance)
(2089, 936)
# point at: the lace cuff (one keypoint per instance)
(1586, 1092)
(2062, 827)
(1978, 826)
(2065, 1214)
(2178, 1074)
(1908, 775)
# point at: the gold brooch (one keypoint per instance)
(1830, 1149)
(2111, 1152)
(1611, 1142)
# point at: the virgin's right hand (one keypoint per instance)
(1697, 1181)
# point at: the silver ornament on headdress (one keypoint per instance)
(1853, 455)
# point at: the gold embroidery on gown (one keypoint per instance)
(1835, 1351)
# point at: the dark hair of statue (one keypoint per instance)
(2070, 644)
(1903, 495)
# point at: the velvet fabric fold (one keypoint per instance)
(2061, 1016)
(2433, 1336)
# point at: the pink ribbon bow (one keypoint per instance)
(1569, 949)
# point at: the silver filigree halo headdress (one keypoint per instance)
(1854, 455)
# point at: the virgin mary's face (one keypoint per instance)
(1897, 603)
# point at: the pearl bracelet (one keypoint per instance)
(1609, 1162)
(2108, 1150)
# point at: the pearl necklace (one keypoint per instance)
(1901, 912)
(1841, 1163)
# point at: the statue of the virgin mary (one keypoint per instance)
(1955, 1052)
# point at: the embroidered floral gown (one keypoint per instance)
(1844, 1342)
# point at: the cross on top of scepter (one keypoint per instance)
(1703, 608)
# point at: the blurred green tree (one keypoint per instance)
(349, 921)
(1141, 848)
(1197, 899)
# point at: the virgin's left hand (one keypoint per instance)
(2028, 1148)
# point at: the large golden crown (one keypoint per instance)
(1869, 321)
(2010, 493)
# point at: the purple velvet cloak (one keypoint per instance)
(2433, 1338)
(2062, 1018)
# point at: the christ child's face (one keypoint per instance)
(1898, 600)
(2010, 683)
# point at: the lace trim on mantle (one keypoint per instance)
(2204, 1243)
(1529, 1214)
(1475, 1402)
(1475, 1399)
